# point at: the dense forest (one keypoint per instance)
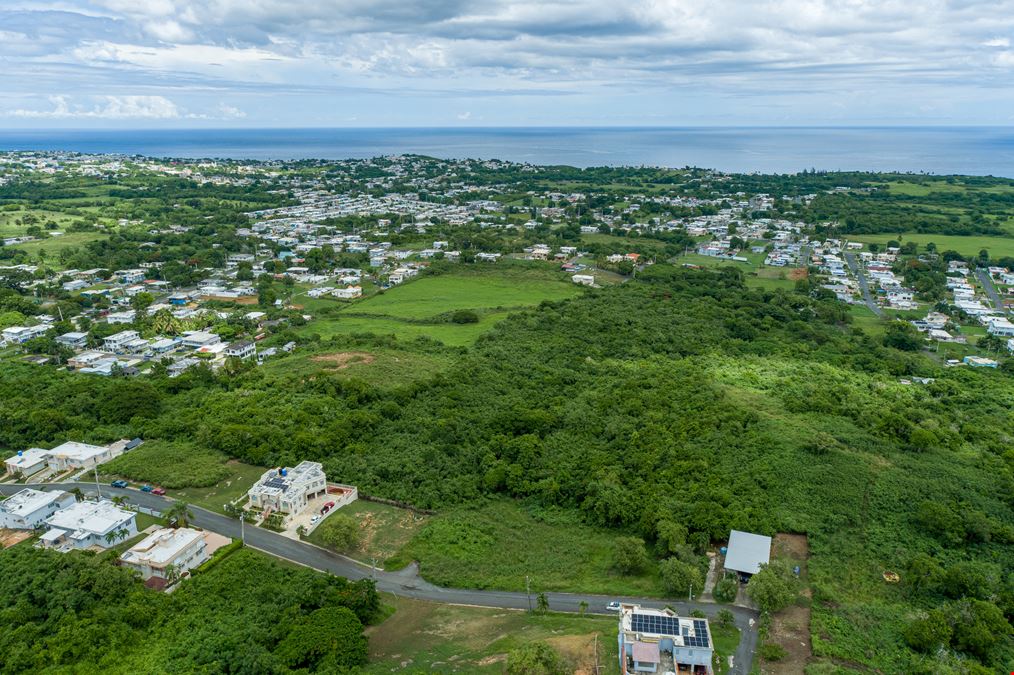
(673, 408)
(82, 614)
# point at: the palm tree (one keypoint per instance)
(172, 573)
(78, 495)
(179, 512)
(111, 536)
(123, 533)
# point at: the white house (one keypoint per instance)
(27, 462)
(74, 340)
(182, 548)
(117, 343)
(131, 276)
(1000, 326)
(28, 509)
(241, 349)
(85, 524)
(74, 455)
(289, 489)
(583, 279)
(16, 335)
(659, 641)
(348, 293)
(197, 339)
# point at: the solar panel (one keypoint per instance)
(651, 623)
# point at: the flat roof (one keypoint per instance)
(161, 546)
(747, 552)
(75, 450)
(28, 501)
(28, 457)
(90, 518)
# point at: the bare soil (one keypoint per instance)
(343, 360)
(578, 651)
(10, 537)
(791, 627)
(798, 273)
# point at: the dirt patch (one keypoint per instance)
(490, 660)
(579, 651)
(799, 273)
(10, 537)
(343, 360)
(791, 627)
(242, 300)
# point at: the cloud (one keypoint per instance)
(105, 107)
(467, 115)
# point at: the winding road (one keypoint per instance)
(864, 285)
(407, 582)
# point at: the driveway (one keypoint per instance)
(990, 289)
(407, 582)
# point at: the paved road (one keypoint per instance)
(987, 285)
(407, 582)
(864, 285)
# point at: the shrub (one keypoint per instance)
(926, 634)
(172, 465)
(464, 316)
(535, 658)
(679, 577)
(629, 555)
(769, 651)
(774, 587)
(340, 532)
(726, 590)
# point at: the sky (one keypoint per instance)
(472, 63)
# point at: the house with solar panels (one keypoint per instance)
(660, 641)
(288, 489)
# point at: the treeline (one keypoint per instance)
(81, 613)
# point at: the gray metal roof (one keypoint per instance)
(747, 552)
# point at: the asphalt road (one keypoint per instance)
(987, 285)
(407, 582)
(864, 285)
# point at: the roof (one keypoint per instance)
(75, 450)
(645, 652)
(747, 552)
(161, 547)
(28, 457)
(84, 518)
(28, 501)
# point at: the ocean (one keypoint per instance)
(937, 150)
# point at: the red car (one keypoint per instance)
(158, 491)
(327, 507)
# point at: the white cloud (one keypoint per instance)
(997, 42)
(465, 116)
(104, 107)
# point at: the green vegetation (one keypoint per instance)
(998, 247)
(81, 613)
(433, 638)
(383, 531)
(171, 465)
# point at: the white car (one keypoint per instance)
(613, 606)
(314, 520)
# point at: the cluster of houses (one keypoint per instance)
(69, 456)
(66, 524)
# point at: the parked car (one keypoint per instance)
(158, 491)
(613, 606)
(119, 483)
(314, 520)
(327, 507)
(146, 488)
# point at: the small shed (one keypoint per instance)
(747, 552)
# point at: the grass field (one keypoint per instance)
(998, 247)
(384, 530)
(419, 308)
(54, 245)
(866, 320)
(499, 544)
(170, 465)
(427, 637)
(241, 477)
(431, 296)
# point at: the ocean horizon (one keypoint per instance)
(934, 150)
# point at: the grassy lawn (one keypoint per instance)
(431, 296)
(384, 530)
(998, 247)
(171, 465)
(241, 478)
(498, 544)
(869, 322)
(451, 334)
(435, 638)
(54, 245)
(726, 642)
(771, 278)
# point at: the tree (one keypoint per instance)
(726, 590)
(774, 587)
(464, 316)
(582, 607)
(541, 603)
(629, 555)
(903, 335)
(340, 532)
(679, 578)
(141, 302)
(78, 495)
(328, 640)
(978, 627)
(535, 658)
(178, 512)
(301, 531)
(172, 573)
(726, 619)
(928, 633)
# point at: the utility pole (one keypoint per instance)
(242, 520)
(98, 490)
(690, 597)
(528, 591)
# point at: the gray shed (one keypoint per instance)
(747, 552)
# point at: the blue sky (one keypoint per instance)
(346, 63)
